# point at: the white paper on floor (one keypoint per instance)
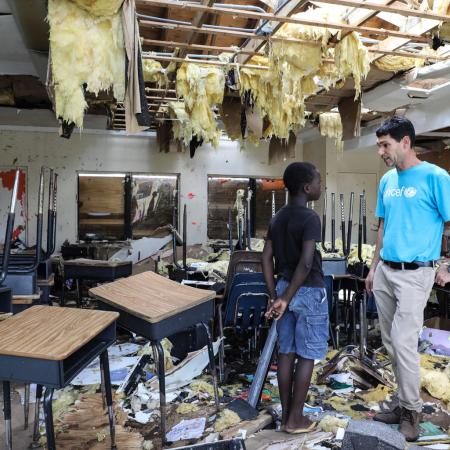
(187, 429)
(188, 369)
(118, 368)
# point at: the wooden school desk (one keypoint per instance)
(156, 307)
(49, 346)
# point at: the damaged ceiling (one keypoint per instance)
(175, 31)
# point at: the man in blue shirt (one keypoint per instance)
(413, 204)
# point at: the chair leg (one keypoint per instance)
(104, 362)
(7, 414)
(37, 408)
(50, 432)
(212, 364)
(26, 406)
(157, 349)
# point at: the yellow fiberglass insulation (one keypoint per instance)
(181, 127)
(100, 7)
(283, 111)
(154, 72)
(437, 383)
(352, 59)
(201, 87)
(393, 63)
(85, 49)
(441, 6)
(330, 125)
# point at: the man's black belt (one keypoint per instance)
(409, 265)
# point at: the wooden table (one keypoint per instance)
(156, 307)
(92, 269)
(49, 346)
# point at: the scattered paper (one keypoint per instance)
(187, 429)
(118, 368)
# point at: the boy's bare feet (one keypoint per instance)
(302, 422)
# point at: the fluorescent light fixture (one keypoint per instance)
(229, 178)
(157, 177)
(104, 175)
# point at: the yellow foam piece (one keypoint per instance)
(85, 49)
(379, 394)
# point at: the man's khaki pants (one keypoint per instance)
(401, 296)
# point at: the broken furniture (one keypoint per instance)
(245, 306)
(240, 261)
(443, 296)
(94, 270)
(155, 308)
(49, 346)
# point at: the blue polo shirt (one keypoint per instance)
(414, 204)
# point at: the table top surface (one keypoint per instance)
(95, 262)
(150, 296)
(51, 332)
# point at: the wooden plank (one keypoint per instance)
(150, 296)
(350, 111)
(50, 332)
(286, 19)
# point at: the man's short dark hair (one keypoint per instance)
(298, 174)
(397, 127)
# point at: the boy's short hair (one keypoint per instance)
(397, 127)
(298, 174)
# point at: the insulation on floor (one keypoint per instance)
(202, 88)
(86, 49)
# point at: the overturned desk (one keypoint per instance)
(49, 346)
(156, 307)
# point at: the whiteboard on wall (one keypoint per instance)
(7, 175)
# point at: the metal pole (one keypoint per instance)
(364, 216)
(360, 228)
(324, 219)
(273, 203)
(333, 222)
(350, 222)
(184, 237)
(341, 203)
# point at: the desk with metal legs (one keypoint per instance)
(156, 307)
(49, 346)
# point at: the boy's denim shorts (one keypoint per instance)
(303, 328)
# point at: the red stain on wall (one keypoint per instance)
(8, 177)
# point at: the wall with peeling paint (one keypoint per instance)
(113, 152)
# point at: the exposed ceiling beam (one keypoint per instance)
(287, 9)
(406, 11)
(286, 19)
(216, 49)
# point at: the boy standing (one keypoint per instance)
(298, 302)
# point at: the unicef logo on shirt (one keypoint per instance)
(408, 192)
